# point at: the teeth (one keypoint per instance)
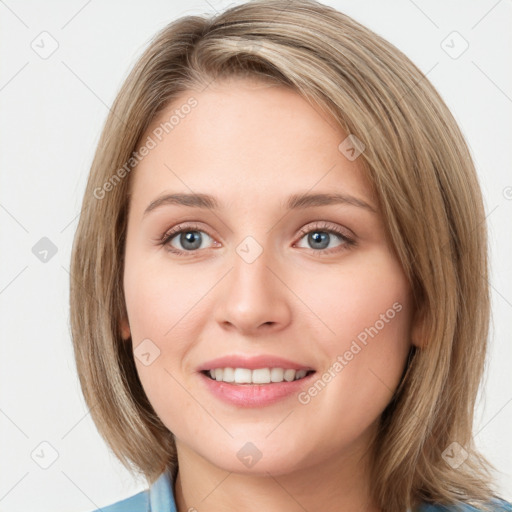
(261, 376)
(227, 375)
(276, 375)
(258, 376)
(242, 375)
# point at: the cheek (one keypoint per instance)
(367, 308)
(160, 299)
(369, 295)
(165, 313)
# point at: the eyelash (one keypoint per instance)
(323, 228)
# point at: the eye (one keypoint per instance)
(319, 237)
(189, 237)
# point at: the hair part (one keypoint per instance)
(421, 170)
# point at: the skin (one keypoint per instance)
(252, 145)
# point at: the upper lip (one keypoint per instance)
(252, 363)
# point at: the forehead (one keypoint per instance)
(243, 134)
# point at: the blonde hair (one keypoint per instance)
(422, 172)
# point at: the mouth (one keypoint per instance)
(258, 376)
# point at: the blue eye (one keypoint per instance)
(320, 237)
(191, 239)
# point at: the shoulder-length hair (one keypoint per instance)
(420, 167)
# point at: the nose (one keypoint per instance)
(254, 296)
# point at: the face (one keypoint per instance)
(266, 277)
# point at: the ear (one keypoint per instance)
(124, 327)
(418, 329)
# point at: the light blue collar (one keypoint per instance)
(161, 499)
(161, 496)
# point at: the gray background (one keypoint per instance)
(52, 110)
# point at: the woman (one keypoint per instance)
(226, 357)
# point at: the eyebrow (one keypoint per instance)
(294, 202)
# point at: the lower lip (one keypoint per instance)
(254, 395)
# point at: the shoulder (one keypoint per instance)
(137, 503)
(496, 505)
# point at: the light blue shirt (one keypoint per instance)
(160, 498)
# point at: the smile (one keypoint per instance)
(256, 376)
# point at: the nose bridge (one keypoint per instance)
(253, 249)
(251, 276)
